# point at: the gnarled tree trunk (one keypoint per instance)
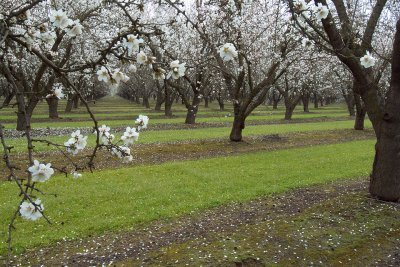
(306, 100)
(238, 125)
(360, 113)
(52, 102)
(70, 104)
(385, 177)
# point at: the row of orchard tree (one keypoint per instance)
(240, 51)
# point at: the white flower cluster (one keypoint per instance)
(40, 172)
(60, 20)
(111, 79)
(105, 137)
(47, 34)
(123, 153)
(130, 136)
(31, 211)
(132, 43)
(319, 11)
(76, 143)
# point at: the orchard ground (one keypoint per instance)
(293, 193)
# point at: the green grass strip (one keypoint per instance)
(200, 133)
(217, 118)
(123, 198)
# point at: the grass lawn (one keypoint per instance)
(120, 199)
(215, 119)
(202, 133)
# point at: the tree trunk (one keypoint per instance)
(289, 113)
(237, 128)
(275, 104)
(8, 99)
(68, 107)
(305, 99)
(168, 101)
(192, 110)
(385, 178)
(206, 101)
(350, 107)
(22, 121)
(146, 102)
(52, 102)
(76, 101)
(360, 113)
(191, 115)
(221, 104)
(315, 101)
(168, 109)
(159, 99)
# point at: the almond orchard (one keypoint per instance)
(200, 132)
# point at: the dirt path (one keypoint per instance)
(328, 225)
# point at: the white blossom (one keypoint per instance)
(123, 153)
(159, 74)
(76, 175)
(132, 43)
(40, 172)
(141, 58)
(119, 76)
(320, 11)
(228, 52)
(103, 75)
(130, 136)
(367, 60)
(76, 29)
(177, 70)
(142, 122)
(76, 143)
(60, 19)
(299, 5)
(48, 37)
(30, 211)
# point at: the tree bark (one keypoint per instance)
(146, 102)
(289, 113)
(52, 102)
(237, 127)
(70, 104)
(275, 104)
(168, 101)
(306, 100)
(76, 101)
(221, 104)
(192, 110)
(191, 115)
(385, 178)
(160, 98)
(315, 100)
(206, 101)
(360, 113)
